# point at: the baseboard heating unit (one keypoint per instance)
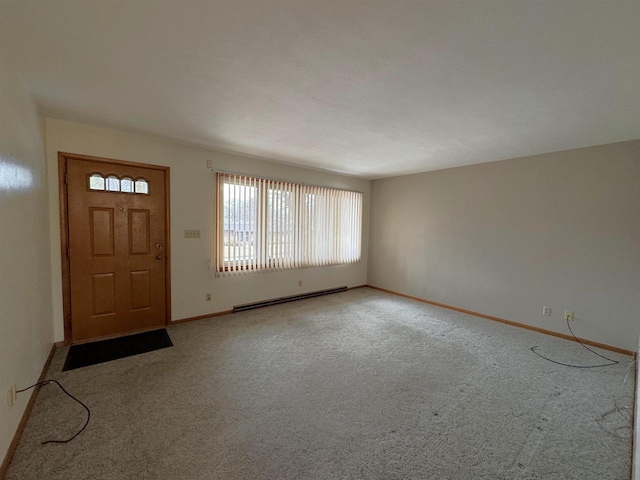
(292, 298)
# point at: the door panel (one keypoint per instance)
(103, 294)
(102, 232)
(140, 289)
(116, 237)
(139, 230)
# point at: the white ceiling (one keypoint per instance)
(368, 88)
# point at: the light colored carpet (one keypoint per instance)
(357, 385)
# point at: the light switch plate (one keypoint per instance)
(192, 234)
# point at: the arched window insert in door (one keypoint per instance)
(111, 183)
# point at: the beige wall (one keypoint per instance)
(191, 197)
(506, 238)
(26, 333)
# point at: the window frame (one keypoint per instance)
(261, 258)
(111, 176)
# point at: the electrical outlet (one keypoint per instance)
(546, 311)
(209, 163)
(11, 396)
(208, 297)
(568, 315)
(192, 234)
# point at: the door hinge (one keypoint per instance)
(68, 252)
(66, 178)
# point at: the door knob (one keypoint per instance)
(159, 257)
(158, 246)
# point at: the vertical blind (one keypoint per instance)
(270, 225)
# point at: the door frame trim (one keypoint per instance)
(64, 233)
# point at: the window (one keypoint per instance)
(126, 185)
(273, 225)
(96, 182)
(113, 184)
(142, 186)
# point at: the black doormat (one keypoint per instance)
(106, 350)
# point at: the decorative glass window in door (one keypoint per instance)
(113, 184)
(126, 185)
(96, 182)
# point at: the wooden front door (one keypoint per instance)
(117, 247)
